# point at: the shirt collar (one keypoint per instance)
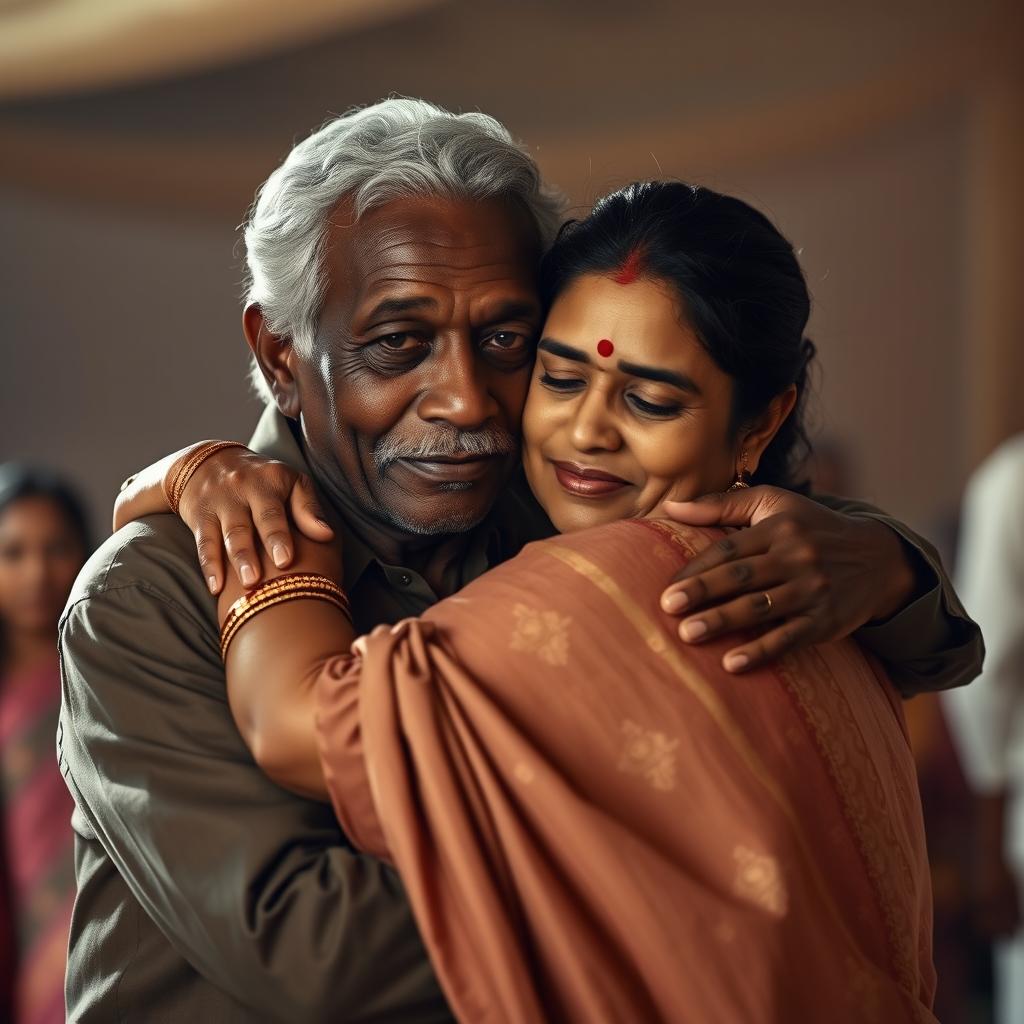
(275, 437)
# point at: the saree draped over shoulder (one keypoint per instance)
(596, 823)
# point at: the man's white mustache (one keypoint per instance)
(444, 445)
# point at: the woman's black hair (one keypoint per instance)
(19, 481)
(739, 282)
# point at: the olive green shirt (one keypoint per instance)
(206, 892)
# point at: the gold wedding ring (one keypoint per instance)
(768, 602)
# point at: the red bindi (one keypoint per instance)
(605, 348)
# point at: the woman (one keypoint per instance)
(593, 823)
(43, 543)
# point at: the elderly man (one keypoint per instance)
(392, 305)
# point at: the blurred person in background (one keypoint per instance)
(987, 719)
(43, 544)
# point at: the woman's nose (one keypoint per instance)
(594, 427)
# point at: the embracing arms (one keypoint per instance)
(272, 666)
(832, 566)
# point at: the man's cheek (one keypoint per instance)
(511, 393)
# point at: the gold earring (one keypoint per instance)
(742, 477)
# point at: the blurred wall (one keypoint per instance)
(882, 141)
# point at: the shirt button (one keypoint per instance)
(405, 579)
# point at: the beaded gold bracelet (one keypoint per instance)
(176, 488)
(293, 587)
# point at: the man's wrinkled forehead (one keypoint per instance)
(432, 241)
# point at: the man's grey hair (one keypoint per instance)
(395, 149)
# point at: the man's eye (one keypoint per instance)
(401, 342)
(507, 341)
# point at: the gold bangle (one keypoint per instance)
(293, 587)
(292, 595)
(294, 583)
(290, 581)
(174, 491)
(282, 584)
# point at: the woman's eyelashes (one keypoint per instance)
(563, 384)
(643, 406)
(656, 410)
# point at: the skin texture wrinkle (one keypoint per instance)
(424, 347)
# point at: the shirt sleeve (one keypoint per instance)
(931, 644)
(255, 887)
(987, 719)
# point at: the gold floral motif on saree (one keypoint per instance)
(759, 880)
(545, 634)
(649, 754)
(830, 735)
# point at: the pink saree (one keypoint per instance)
(595, 822)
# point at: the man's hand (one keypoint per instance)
(806, 573)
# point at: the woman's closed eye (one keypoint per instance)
(656, 410)
(565, 385)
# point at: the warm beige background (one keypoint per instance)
(886, 140)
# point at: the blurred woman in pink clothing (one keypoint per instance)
(43, 543)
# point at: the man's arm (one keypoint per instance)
(253, 886)
(930, 643)
(805, 571)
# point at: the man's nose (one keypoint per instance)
(594, 428)
(459, 393)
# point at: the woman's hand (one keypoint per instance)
(806, 572)
(237, 496)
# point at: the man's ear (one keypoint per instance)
(274, 354)
(759, 435)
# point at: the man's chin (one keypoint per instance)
(442, 524)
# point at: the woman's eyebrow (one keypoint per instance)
(559, 348)
(679, 380)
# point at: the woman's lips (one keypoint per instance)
(586, 482)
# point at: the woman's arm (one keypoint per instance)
(233, 496)
(272, 666)
(143, 494)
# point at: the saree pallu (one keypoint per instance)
(597, 823)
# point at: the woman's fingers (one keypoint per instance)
(306, 510)
(210, 546)
(271, 521)
(240, 543)
(792, 634)
(747, 612)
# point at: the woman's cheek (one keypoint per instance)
(688, 461)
